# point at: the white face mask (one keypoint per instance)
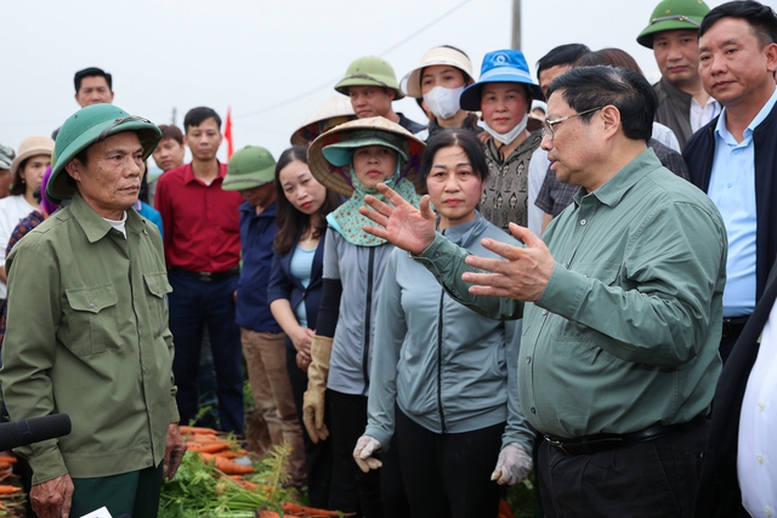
(506, 138)
(443, 102)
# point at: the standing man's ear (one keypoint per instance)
(74, 168)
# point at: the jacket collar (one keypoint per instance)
(613, 190)
(94, 226)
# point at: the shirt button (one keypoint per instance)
(145, 370)
(762, 406)
(91, 304)
(583, 222)
(149, 462)
(544, 312)
(528, 359)
(533, 410)
(767, 511)
(760, 459)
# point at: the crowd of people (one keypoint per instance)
(571, 275)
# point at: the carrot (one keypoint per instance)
(204, 438)
(505, 511)
(7, 489)
(8, 459)
(231, 468)
(269, 514)
(205, 447)
(302, 510)
(188, 430)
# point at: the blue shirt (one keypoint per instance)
(151, 214)
(257, 233)
(302, 268)
(732, 188)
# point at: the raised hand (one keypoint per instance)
(524, 274)
(403, 225)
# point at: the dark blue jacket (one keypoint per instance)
(256, 236)
(699, 153)
(283, 285)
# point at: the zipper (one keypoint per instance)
(367, 317)
(439, 363)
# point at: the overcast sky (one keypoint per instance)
(273, 62)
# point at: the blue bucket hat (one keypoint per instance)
(500, 66)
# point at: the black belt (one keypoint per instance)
(733, 326)
(609, 441)
(209, 276)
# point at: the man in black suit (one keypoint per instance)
(737, 459)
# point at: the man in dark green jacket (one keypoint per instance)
(87, 328)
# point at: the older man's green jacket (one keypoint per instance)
(87, 335)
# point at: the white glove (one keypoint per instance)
(362, 454)
(512, 466)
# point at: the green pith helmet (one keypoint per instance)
(86, 127)
(252, 166)
(370, 71)
(673, 15)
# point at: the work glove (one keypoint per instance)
(362, 454)
(512, 466)
(313, 400)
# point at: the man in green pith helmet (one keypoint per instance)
(87, 328)
(372, 85)
(672, 33)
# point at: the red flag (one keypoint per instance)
(228, 133)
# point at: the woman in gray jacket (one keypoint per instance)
(352, 159)
(443, 378)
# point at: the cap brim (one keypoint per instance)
(645, 38)
(470, 97)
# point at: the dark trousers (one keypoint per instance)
(135, 494)
(194, 304)
(318, 457)
(351, 490)
(449, 475)
(657, 478)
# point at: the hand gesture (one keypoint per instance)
(403, 225)
(524, 274)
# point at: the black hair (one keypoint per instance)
(611, 56)
(291, 222)
(196, 116)
(92, 72)
(172, 131)
(465, 139)
(761, 19)
(562, 55)
(587, 88)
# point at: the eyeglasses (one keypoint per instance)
(121, 120)
(547, 126)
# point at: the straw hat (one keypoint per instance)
(370, 131)
(32, 146)
(336, 110)
(411, 83)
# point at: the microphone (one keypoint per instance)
(28, 431)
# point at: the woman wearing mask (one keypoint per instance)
(439, 79)
(441, 373)
(504, 94)
(295, 288)
(352, 159)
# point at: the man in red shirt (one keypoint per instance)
(202, 250)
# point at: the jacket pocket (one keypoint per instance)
(91, 321)
(158, 286)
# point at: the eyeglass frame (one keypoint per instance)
(547, 126)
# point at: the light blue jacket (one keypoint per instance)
(449, 369)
